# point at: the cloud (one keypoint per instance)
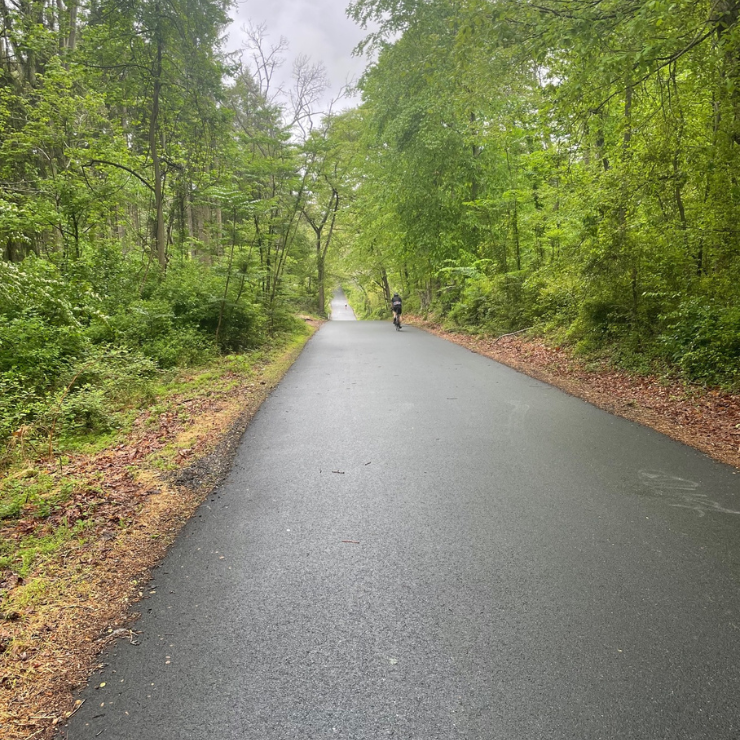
(319, 29)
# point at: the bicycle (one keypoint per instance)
(397, 321)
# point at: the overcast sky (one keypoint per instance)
(317, 28)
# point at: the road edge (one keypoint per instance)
(90, 602)
(702, 427)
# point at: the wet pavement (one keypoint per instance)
(340, 308)
(418, 543)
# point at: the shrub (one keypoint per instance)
(20, 404)
(495, 304)
(142, 321)
(195, 298)
(180, 347)
(703, 340)
(38, 351)
(85, 397)
(108, 380)
(86, 410)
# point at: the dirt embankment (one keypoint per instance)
(707, 419)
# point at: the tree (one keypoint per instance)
(562, 162)
(170, 50)
(329, 154)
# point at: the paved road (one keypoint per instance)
(418, 543)
(340, 308)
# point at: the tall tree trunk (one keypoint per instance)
(320, 269)
(189, 218)
(475, 150)
(228, 277)
(72, 37)
(219, 229)
(386, 286)
(622, 235)
(515, 229)
(160, 231)
(135, 220)
(15, 68)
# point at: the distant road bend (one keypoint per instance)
(418, 543)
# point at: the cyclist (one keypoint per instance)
(396, 308)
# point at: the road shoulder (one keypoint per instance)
(131, 500)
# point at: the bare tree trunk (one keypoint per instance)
(14, 69)
(135, 220)
(219, 228)
(322, 246)
(228, 277)
(386, 286)
(515, 215)
(72, 37)
(555, 241)
(623, 236)
(515, 228)
(286, 241)
(189, 217)
(320, 270)
(121, 228)
(200, 223)
(161, 236)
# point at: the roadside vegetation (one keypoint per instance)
(165, 217)
(155, 207)
(162, 207)
(81, 529)
(563, 165)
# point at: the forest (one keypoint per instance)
(161, 203)
(175, 214)
(569, 166)
(564, 166)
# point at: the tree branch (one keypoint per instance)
(120, 167)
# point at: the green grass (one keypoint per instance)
(34, 494)
(23, 556)
(30, 491)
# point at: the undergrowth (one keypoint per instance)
(46, 500)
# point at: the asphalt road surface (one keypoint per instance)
(418, 543)
(340, 308)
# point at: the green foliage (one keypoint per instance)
(37, 350)
(152, 327)
(517, 169)
(20, 404)
(703, 339)
(150, 216)
(90, 395)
